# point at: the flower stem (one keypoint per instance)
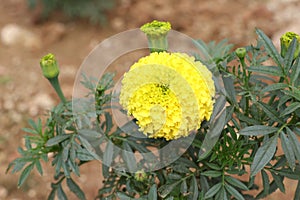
(55, 84)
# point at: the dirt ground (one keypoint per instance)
(25, 94)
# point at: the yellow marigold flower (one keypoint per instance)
(169, 94)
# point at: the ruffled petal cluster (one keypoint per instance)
(169, 94)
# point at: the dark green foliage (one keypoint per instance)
(94, 10)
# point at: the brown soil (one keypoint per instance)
(26, 94)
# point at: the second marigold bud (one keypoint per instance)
(241, 52)
(49, 66)
(285, 42)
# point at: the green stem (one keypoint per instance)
(55, 84)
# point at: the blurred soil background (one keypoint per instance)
(25, 93)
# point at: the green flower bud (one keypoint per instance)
(49, 66)
(156, 32)
(241, 52)
(140, 175)
(285, 41)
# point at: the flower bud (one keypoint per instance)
(156, 32)
(241, 52)
(140, 175)
(285, 41)
(49, 66)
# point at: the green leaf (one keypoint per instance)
(235, 182)
(39, 167)
(90, 133)
(289, 173)
(75, 189)
(270, 112)
(289, 57)
(257, 130)
(294, 142)
(213, 191)
(222, 194)
(270, 70)
(288, 150)
(183, 187)
(263, 155)
(229, 88)
(291, 108)
(88, 147)
(108, 154)
(123, 196)
(61, 194)
(212, 173)
(129, 157)
(266, 182)
(270, 48)
(193, 189)
(294, 93)
(234, 192)
(57, 139)
(275, 86)
(295, 72)
(152, 193)
(279, 181)
(25, 173)
(164, 190)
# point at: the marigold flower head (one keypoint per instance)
(169, 94)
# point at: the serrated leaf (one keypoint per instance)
(165, 190)
(266, 182)
(152, 193)
(270, 48)
(57, 139)
(288, 150)
(279, 181)
(90, 134)
(108, 154)
(263, 155)
(295, 72)
(88, 147)
(270, 112)
(25, 173)
(212, 173)
(193, 189)
(39, 167)
(234, 192)
(61, 194)
(270, 70)
(222, 194)
(294, 93)
(229, 88)
(213, 191)
(183, 187)
(294, 142)
(129, 157)
(75, 189)
(291, 108)
(258, 130)
(275, 86)
(235, 182)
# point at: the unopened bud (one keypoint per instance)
(140, 175)
(49, 66)
(241, 52)
(285, 41)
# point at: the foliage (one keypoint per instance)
(90, 9)
(263, 107)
